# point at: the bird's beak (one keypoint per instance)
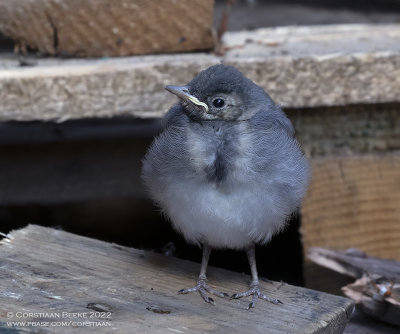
(183, 93)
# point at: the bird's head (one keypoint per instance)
(220, 93)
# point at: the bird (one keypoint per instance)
(226, 170)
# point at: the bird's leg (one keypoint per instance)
(202, 283)
(254, 285)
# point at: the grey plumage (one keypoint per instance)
(230, 176)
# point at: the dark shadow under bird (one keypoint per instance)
(226, 169)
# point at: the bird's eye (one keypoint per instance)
(218, 103)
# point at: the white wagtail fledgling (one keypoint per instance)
(226, 169)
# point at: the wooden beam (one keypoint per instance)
(298, 66)
(352, 202)
(100, 28)
(51, 271)
(377, 288)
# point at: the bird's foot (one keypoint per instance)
(202, 287)
(255, 292)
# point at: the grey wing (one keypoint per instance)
(167, 156)
(280, 158)
(272, 117)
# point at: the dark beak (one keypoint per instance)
(180, 91)
(183, 93)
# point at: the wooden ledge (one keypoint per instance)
(299, 66)
(51, 271)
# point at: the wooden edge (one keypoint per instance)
(153, 281)
(301, 67)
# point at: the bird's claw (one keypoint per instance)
(255, 292)
(202, 287)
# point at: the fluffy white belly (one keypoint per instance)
(233, 218)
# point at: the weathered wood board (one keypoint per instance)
(45, 270)
(377, 288)
(298, 66)
(98, 28)
(352, 202)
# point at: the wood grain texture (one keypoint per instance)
(298, 67)
(45, 270)
(97, 28)
(347, 130)
(353, 202)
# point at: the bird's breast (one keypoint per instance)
(216, 153)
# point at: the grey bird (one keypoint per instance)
(226, 169)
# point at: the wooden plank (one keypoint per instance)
(347, 130)
(299, 67)
(377, 288)
(354, 263)
(98, 28)
(352, 202)
(45, 270)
